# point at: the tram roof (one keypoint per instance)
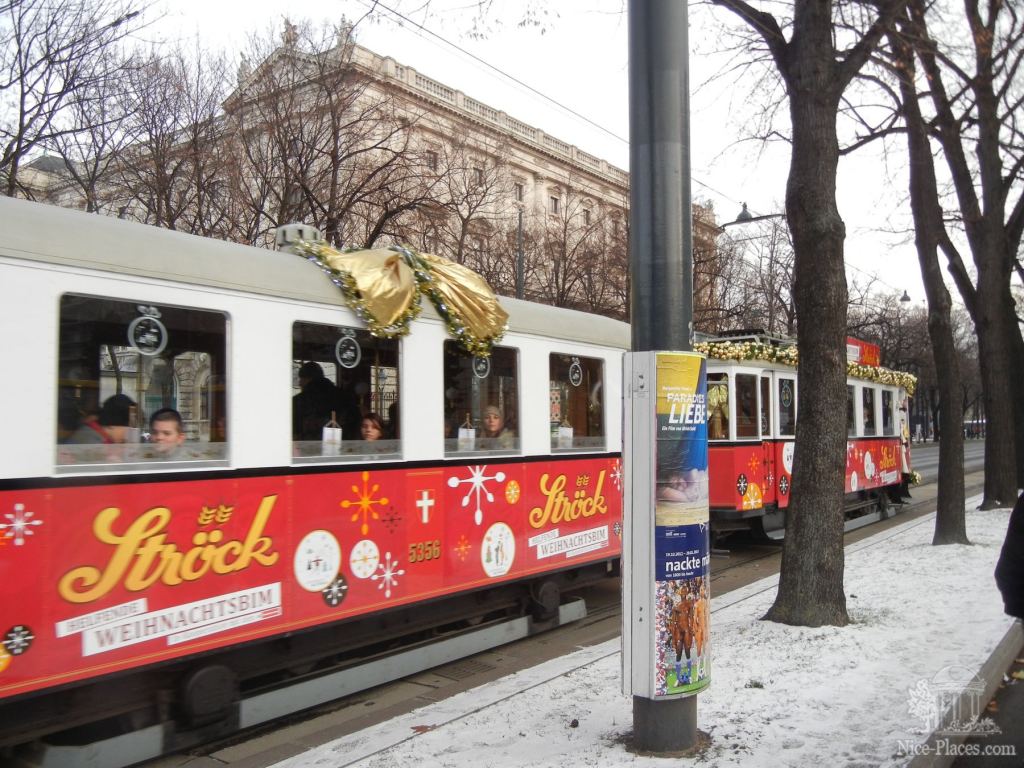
(55, 235)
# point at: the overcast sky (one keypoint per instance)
(578, 59)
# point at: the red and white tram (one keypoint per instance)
(151, 583)
(752, 406)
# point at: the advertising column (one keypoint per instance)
(667, 647)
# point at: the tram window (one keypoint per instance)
(576, 415)
(352, 375)
(787, 407)
(868, 403)
(481, 401)
(718, 406)
(888, 413)
(120, 362)
(766, 411)
(851, 424)
(746, 406)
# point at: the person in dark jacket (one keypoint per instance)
(1010, 567)
(313, 406)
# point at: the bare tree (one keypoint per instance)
(475, 190)
(317, 144)
(51, 51)
(90, 151)
(173, 173)
(570, 229)
(816, 65)
(752, 279)
(976, 122)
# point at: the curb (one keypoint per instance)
(991, 673)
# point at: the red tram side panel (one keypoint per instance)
(102, 578)
(750, 477)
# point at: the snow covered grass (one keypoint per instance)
(779, 695)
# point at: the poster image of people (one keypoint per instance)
(681, 530)
(683, 647)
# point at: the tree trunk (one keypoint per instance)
(811, 578)
(995, 356)
(950, 522)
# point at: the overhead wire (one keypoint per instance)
(374, 5)
(426, 33)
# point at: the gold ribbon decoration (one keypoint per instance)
(383, 286)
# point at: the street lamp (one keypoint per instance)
(745, 217)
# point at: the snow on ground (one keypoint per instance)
(779, 695)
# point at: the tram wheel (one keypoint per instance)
(771, 525)
(208, 694)
(545, 599)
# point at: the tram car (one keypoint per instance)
(751, 422)
(215, 480)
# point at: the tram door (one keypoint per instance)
(764, 399)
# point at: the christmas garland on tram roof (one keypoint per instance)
(787, 355)
(383, 287)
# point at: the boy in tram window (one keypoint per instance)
(167, 433)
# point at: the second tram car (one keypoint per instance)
(752, 407)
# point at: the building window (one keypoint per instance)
(519, 191)
(554, 204)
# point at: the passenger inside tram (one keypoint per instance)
(495, 429)
(372, 427)
(167, 433)
(112, 425)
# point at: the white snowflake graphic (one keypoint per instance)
(477, 482)
(20, 525)
(388, 575)
(18, 639)
(617, 474)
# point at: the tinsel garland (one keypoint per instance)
(457, 327)
(315, 252)
(787, 355)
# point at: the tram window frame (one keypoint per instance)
(166, 345)
(572, 405)
(851, 411)
(718, 382)
(867, 401)
(889, 415)
(765, 394)
(786, 414)
(466, 400)
(748, 425)
(365, 373)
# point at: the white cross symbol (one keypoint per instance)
(425, 503)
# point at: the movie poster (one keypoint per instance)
(681, 532)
